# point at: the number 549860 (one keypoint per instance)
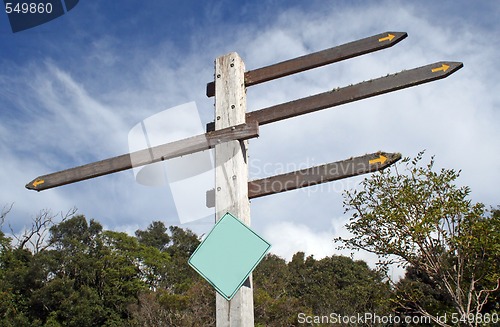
(28, 8)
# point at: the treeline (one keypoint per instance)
(75, 273)
(82, 275)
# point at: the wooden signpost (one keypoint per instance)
(233, 126)
(145, 156)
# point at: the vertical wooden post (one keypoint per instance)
(231, 176)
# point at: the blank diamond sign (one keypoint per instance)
(228, 255)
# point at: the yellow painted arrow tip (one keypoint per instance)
(381, 159)
(36, 182)
(443, 67)
(389, 37)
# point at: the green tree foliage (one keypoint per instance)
(340, 285)
(83, 275)
(421, 218)
(274, 301)
(417, 287)
(155, 235)
(333, 284)
(181, 297)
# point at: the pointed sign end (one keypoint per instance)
(446, 68)
(35, 184)
(30, 186)
(399, 35)
(392, 37)
(392, 158)
(384, 159)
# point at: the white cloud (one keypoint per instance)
(288, 238)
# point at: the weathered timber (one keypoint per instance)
(343, 95)
(316, 175)
(144, 157)
(231, 178)
(318, 59)
(321, 174)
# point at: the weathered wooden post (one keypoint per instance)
(231, 176)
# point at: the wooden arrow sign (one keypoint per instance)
(317, 175)
(318, 59)
(339, 96)
(321, 174)
(144, 157)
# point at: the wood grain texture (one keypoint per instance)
(316, 175)
(351, 93)
(318, 59)
(231, 177)
(144, 157)
(320, 174)
(336, 97)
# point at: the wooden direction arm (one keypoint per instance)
(144, 157)
(321, 174)
(316, 175)
(343, 95)
(389, 83)
(318, 59)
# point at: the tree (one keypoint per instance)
(332, 285)
(155, 235)
(181, 297)
(36, 237)
(421, 218)
(182, 244)
(22, 273)
(274, 297)
(338, 285)
(92, 275)
(417, 287)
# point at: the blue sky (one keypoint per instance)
(72, 89)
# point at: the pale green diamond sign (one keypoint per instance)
(228, 255)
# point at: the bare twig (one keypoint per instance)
(35, 238)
